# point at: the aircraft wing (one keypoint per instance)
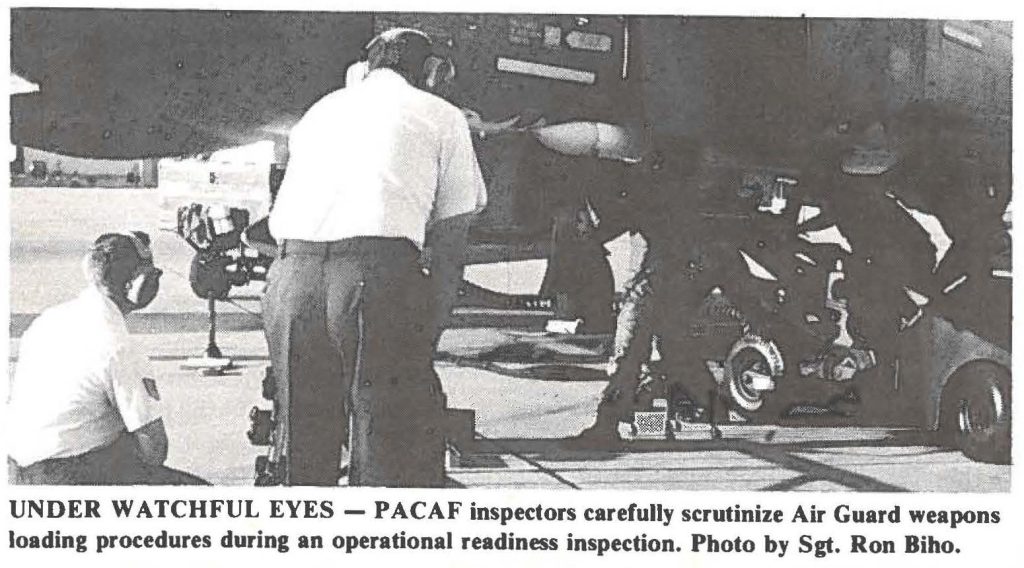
(148, 83)
(153, 83)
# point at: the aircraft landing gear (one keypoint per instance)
(975, 413)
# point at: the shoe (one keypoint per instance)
(846, 404)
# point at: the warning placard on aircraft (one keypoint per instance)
(546, 71)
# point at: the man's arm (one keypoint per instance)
(446, 250)
(449, 235)
(460, 188)
(151, 442)
(137, 399)
(461, 194)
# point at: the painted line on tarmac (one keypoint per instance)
(812, 470)
(539, 466)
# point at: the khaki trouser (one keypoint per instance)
(349, 328)
(116, 464)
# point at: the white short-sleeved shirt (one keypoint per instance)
(80, 382)
(380, 158)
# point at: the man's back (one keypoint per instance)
(367, 161)
(63, 398)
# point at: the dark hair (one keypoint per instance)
(113, 258)
(404, 51)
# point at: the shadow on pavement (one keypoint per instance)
(545, 454)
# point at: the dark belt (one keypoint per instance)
(351, 246)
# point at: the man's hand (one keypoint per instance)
(484, 128)
(151, 442)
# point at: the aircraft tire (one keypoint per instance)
(976, 413)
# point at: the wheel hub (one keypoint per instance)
(753, 365)
(979, 416)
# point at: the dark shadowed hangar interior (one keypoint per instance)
(835, 191)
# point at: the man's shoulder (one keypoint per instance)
(55, 318)
(362, 96)
(331, 99)
(452, 111)
(63, 336)
(437, 105)
(432, 99)
(79, 318)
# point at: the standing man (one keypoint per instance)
(84, 407)
(686, 256)
(348, 309)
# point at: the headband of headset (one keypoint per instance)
(141, 248)
(393, 34)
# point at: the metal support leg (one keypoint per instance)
(715, 432)
(213, 362)
(212, 351)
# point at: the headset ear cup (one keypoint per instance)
(105, 262)
(429, 74)
(143, 288)
(437, 71)
(134, 289)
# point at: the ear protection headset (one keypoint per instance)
(393, 34)
(141, 288)
(436, 69)
(144, 284)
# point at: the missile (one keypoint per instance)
(609, 141)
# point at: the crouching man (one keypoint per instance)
(84, 406)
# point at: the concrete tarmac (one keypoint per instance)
(529, 390)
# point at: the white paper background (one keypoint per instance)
(984, 545)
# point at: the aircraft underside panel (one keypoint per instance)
(141, 83)
(556, 67)
(533, 70)
(763, 92)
